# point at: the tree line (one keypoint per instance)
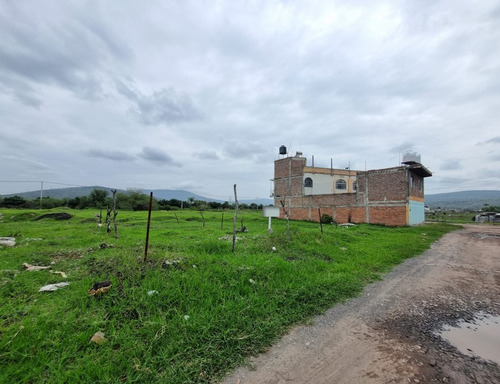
(132, 200)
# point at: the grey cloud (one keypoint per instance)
(70, 53)
(166, 106)
(48, 67)
(188, 185)
(206, 155)
(493, 140)
(403, 147)
(128, 91)
(244, 150)
(451, 165)
(28, 99)
(161, 107)
(109, 42)
(111, 155)
(157, 156)
(29, 164)
(489, 175)
(20, 90)
(45, 64)
(494, 156)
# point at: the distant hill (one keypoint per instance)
(160, 194)
(466, 200)
(61, 193)
(167, 194)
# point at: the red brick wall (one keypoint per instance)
(388, 215)
(358, 214)
(417, 186)
(298, 164)
(384, 191)
(300, 214)
(384, 184)
(288, 176)
(281, 188)
(282, 167)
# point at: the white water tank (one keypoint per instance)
(411, 157)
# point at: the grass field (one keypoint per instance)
(194, 310)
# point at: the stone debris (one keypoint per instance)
(106, 245)
(228, 238)
(63, 275)
(53, 287)
(168, 264)
(98, 338)
(8, 241)
(30, 267)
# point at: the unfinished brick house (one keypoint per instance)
(389, 196)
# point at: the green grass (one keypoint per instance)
(212, 308)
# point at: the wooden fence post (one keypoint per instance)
(320, 221)
(149, 222)
(235, 216)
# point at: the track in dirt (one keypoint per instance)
(389, 333)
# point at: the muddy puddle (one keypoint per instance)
(486, 235)
(478, 338)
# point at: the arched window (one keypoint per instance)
(340, 184)
(308, 182)
(355, 186)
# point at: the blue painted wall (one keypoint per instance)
(417, 212)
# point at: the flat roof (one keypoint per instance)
(420, 170)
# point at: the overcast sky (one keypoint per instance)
(199, 95)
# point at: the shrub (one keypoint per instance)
(326, 219)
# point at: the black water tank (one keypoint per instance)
(282, 150)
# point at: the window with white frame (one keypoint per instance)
(341, 185)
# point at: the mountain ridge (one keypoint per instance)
(465, 200)
(160, 194)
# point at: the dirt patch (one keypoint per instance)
(390, 334)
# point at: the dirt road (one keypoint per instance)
(388, 334)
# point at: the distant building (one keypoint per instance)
(389, 196)
(487, 217)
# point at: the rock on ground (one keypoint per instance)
(7, 241)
